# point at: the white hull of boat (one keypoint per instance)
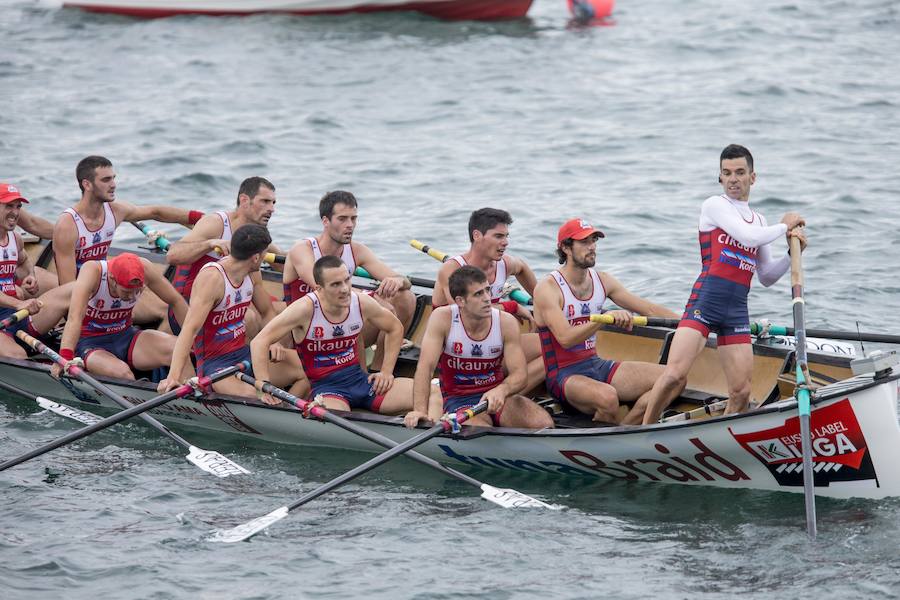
(856, 438)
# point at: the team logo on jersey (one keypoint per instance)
(495, 349)
(354, 327)
(585, 309)
(100, 303)
(476, 350)
(599, 307)
(109, 234)
(96, 239)
(5, 254)
(237, 296)
(81, 242)
(227, 300)
(318, 332)
(338, 331)
(457, 348)
(117, 303)
(570, 311)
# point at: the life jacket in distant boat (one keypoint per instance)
(585, 11)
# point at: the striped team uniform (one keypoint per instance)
(222, 341)
(92, 244)
(107, 323)
(581, 359)
(298, 288)
(330, 353)
(500, 277)
(468, 367)
(9, 262)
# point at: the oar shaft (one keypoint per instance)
(433, 253)
(83, 375)
(637, 320)
(181, 392)
(17, 390)
(835, 334)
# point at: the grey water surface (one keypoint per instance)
(425, 121)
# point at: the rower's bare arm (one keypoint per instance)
(160, 286)
(441, 294)
(619, 294)
(35, 225)
(548, 310)
(87, 283)
(295, 317)
(262, 300)
(25, 269)
(523, 274)
(513, 355)
(391, 281)
(383, 319)
(432, 345)
(302, 260)
(203, 238)
(125, 211)
(208, 290)
(64, 235)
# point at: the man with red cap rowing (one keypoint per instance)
(99, 328)
(563, 304)
(18, 282)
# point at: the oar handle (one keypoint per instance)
(432, 252)
(19, 315)
(796, 264)
(161, 242)
(637, 320)
(269, 257)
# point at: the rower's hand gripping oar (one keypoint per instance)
(637, 320)
(208, 460)
(507, 498)
(802, 389)
(159, 239)
(197, 386)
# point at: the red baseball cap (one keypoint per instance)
(10, 193)
(577, 229)
(127, 270)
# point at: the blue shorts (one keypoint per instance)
(208, 366)
(120, 345)
(23, 325)
(594, 368)
(350, 385)
(454, 404)
(720, 306)
(173, 322)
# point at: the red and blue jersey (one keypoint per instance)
(328, 346)
(576, 310)
(183, 281)
(106, 314)
(298, 288)
(9, 262)
(223, 330)
(723, 256)
(468, 366)
(92, 244)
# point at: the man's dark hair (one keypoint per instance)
(326, 262)
(461, 278)
(736, 151)
(487, 218)
(251, 185)
(248, 240)
(330, 199)
(87, 167)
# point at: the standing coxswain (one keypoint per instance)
(734, 244)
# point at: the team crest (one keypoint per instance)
(457, 348)
(101, 303)
(585, 309)
(237, 296)
(495, 349)
(227, 300)
(354, 327)
(338, 331)
(81, 242)
(5, 254)
(96, 239)
(476, 350)
(117, 303)
(318, 332)
(570, 311)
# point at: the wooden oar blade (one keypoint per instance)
(250, 528)
(68, 412)
(508, 498)
(213, 462)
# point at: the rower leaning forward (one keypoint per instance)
(734, 244)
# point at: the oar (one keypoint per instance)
(88, 418)
(180, 392)
(802, 390)
(854, 336)
(14, 318)
(520, 296)
(419, 281)
(208, 460)
(638, 320)
(163, 244)
(507, 498)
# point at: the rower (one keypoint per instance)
(210, 239)
(563, 303)
(326, 325)
(734, 243)
(18, 282)
(99, 328)
(214, 325)
(489, 237)
(339, 212)
(472, 342)
(85, 231)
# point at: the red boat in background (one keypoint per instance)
(443, 9)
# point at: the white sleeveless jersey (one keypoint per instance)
(468, 366)
(226, 232)
(500, 276)
(8, 264)
(576, 311)
(346, 254)
(105, 313)
(92, 244)
(328, 346)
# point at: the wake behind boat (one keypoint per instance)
(854, 422)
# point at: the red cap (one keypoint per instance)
(127, 270)
(10, 193)
(577, 229)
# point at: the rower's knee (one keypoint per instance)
(606, 404)
(671, 383)
(121, 370)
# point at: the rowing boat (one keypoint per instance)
(854, 421)
(443, 9)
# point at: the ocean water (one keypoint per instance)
(425, 121)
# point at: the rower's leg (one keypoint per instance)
(288, 372)
(46, 280)
(435, 403)
(531, 345)
(399, 399)
(633, 381)
(593, 398)
(101, 362)
(9, 348)
(154, 349)
(404, 303)
(54, 306)
(149, 308)
(233, 386)
(737, 362)
(687, 344)
(519, 411)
